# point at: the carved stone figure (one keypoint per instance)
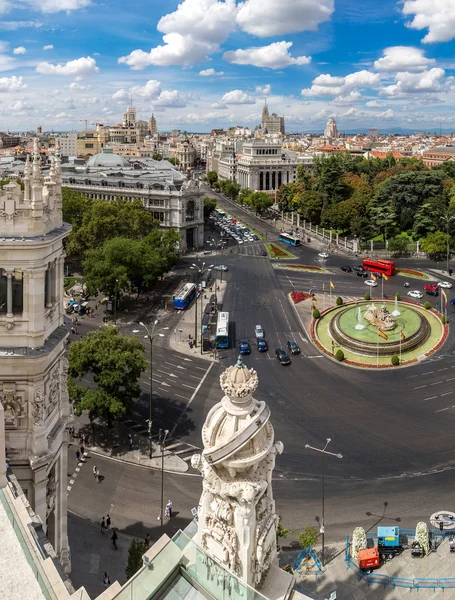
(38, 407)
(50, 494)
(53, 391)
(12, 405)
(380, 317)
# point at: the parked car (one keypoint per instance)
(346, 269)
(415, 294)
(292, 347)
(371, 282)
(262, 345)
(430, 286)
(432, 292)
(445, 284)
(263, 253)
(282, 356)
(258, 331)
(244, 347)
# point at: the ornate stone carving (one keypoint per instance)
(64, 378)
(12, 405)
(53, 390)
(380, 317)
(38, 407)
(51, 490)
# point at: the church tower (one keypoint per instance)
(236, 514)
(33, 368)
(265, 115)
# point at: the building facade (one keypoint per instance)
(263, 166)
(153, 125)
(185, 153)
(436, 156)
(271, 123)
(33, 374)
(331, 130)
(92, 141)
(68, 143)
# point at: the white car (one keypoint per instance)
(324, 254)
(445, 284)
(371, 282)
(221, 268)
(415, 294)
(259, 332)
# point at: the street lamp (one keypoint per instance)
(151, 337)
(447, 219)
(162, 441)
(323, 451)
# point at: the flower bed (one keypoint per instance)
(412, 273)
(305, 267)
(299, 296)
(277, 252)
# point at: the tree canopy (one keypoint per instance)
(209, 206)
(115, 362)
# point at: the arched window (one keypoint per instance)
(190, 210)
(87, 182)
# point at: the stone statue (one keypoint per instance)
(380, 317)
(38, 407)
(236, 513)
(50, 494)
(12, 405)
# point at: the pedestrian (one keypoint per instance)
(96, 473)
(147, 540)
(108, 522)
(103, 525)
(96, 306)
(73, 330)
(169, 509)
(130, 440)
(82, 438)
(106, 580)
(114, 539)
(82, 451)
(78, 455)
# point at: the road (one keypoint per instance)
(393, 428)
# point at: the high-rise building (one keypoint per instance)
(129, 117)
(33, 372)
(153, 127)
(331, 130)
(271, 123)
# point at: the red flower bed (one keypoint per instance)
(277, 251)
(299, 296)
(411, 272)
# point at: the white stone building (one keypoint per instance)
(185, 154)
(68, 143)
(33, 368)
(331, 130)
(263, 166)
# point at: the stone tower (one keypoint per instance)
(33, 369)
(265, 115)
(236, 513)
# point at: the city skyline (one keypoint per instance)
(203, 63)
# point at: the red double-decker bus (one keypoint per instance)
(379, 265)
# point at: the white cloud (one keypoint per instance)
(121, 95)
(269, 17)
(76, 86)
(53, 6)
(48, 47)
(177, 50)
(438, 16)
(412, 83)
(264, 90)
(237, 97)
(12, 84)
(13, 25)
(169, 99)
(20, 50)
(403, 58)
(150, 90)
(63, 115)
(80, 66)
(353, 96)
(326, 85)
(21, 105)
(219, 106)
(273, 56)
(3, 46)
(210, 73)
(373, 104)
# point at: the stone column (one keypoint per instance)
(9, 293)
(418, 246)
(337, 238)
(372, 245)
(345, 242)
(49, 287)
(330, 237)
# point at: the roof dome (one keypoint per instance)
(107, 159)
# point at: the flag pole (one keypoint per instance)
(377, 355)
(401, 332)
(382, 286)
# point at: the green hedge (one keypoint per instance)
(339, 354)
(339, 301)
(395, 360)
(316, 314)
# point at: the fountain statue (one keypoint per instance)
(380, 317)
(396, 312)
(359, 325)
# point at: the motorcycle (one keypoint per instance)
(406, 284)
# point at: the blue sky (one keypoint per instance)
(200, 64)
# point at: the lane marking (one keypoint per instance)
(428, 373)
(179, 396)
(162, 389)
(430, 398)
(316, 356)
(451, 379)
(445, 369)
(189, 386)
(446, 394)
(420, 387)
(442, 409)
(436, 383)
(168, 363)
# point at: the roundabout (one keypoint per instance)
(369, 333)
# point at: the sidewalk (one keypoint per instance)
(185, 329)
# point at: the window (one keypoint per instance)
(190, 210)
(18, 293)
(89, 145)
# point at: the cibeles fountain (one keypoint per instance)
(236, 514)
(371, 329)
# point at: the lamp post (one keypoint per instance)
(447, 218)
(323, 451)
(151, 337)
(200, 270)
(162, 440)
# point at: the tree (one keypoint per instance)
(244, 194)
(260, 201)
(174, 161)
(96, 221)
(395, 360)
(211, 177)
(308, 537)
(115, 362)
(398, 244)
(339, 355)
(209, 206)
(435, 244)
(135, 552)
(157, 156)
(310, 204)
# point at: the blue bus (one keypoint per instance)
(184, 296)
(222, 330)
(289, 239)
